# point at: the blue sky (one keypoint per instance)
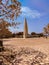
(37, 14)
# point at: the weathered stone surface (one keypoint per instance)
(25, 29)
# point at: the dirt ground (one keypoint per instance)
(41, 44)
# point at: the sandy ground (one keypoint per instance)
(41, 44)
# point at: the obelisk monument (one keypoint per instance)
(25, 29)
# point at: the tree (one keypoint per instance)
(9, 10)
(19, 34)
(46, 29)
(4, 31)
(33, 33)
(4, 28)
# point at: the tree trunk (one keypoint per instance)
(1, 46)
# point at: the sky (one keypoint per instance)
(37, 14)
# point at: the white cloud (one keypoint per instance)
(27, 12)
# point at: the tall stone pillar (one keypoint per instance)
(25, 29)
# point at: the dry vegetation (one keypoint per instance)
(23, 56)
(33, 51)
